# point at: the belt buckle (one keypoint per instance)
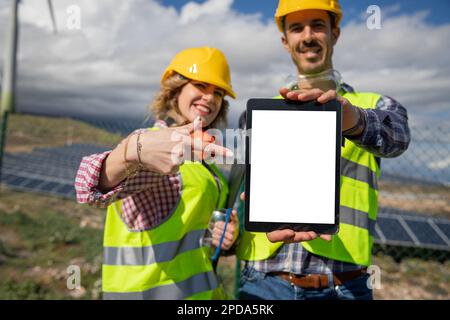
(311, 281)
(316, 280)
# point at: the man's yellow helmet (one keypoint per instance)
(286, 7)
(202, 64)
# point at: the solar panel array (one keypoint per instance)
(53, 170)
(46, 170)
(406, 229)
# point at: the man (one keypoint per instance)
(278, 266)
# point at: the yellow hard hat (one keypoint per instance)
(286, 7)
(202, 64)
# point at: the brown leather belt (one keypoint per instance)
(318, 281)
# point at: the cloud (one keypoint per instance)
(192, 11)
(406, 59)
(112, 65)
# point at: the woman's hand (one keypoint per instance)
(163, 151)
(231, 233)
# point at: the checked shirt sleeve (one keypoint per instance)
(88, 177)
(387, 132)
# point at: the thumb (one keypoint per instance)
(233, 216)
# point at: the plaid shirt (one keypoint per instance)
(148, 198)
(386, 136)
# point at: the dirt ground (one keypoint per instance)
(41, 236)
(410, 279)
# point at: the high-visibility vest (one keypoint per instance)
(358, 207)
(167, 261)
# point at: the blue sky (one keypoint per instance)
(113, 63)
(439, 9)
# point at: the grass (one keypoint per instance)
(28, 289)
(422, 199)
(412, 279)
(26, 132)
(41, 236)
(226, 273)
(38, 245)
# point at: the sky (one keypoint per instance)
(111, 66)
(353, 9)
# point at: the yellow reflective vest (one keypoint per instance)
(358, 207)
(167, 261)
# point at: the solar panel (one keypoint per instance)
(49, 186)
(445, 228)
(66, 189)
(393, 230)
(33, 183)
(410, 230)
(46, 170)
(425, 233)
(14, 180)
(53, 170)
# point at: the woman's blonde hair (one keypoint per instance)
(165, 104)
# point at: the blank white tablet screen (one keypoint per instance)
(293, 166)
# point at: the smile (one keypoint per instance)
(202, 109)
(311, 51)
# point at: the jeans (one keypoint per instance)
(257, 285)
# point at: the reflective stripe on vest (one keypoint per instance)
(359, 172)
(358, 207)
(202, 282)
(356, 218)
(139, 256)
(167, 261)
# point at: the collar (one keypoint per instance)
(346, 88)
(166, 123)
(161, 124)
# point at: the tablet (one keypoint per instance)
(293, 153)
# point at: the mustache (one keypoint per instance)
(308, 45)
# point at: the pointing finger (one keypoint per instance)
(212, 149)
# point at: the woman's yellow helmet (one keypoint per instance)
(202, 64)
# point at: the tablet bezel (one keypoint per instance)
(277, 105)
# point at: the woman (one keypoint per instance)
(159, 204)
